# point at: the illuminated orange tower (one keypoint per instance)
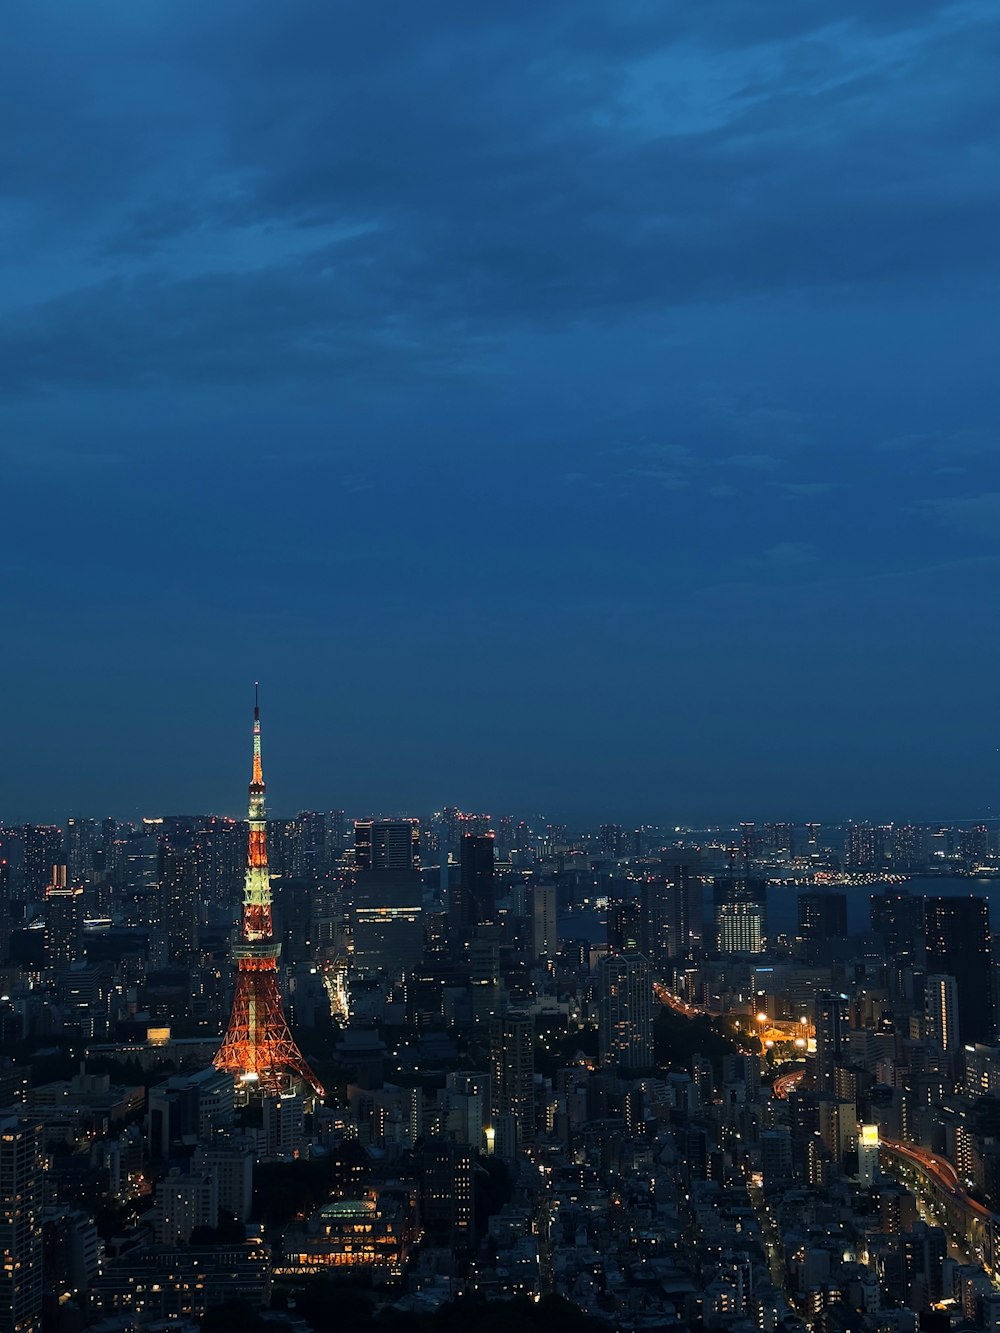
(258, 1047)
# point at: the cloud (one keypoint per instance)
(788, 555)
(525, 170)
(977, 515)
(806, 489)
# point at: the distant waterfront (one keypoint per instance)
(591, 924)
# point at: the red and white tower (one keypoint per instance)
(258, 1047)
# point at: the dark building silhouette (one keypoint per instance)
(958, 945)
(473, 900)
(178, 897)
(822, 915)
(671, 908)
(624, 925)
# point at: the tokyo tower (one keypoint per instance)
(258, 1047)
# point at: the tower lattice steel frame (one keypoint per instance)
(258, 1047)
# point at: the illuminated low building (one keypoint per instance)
(375, 1232)
(160, 1283)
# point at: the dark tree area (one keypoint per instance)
(286, 1191)
(676, 1038)
(332, 1306)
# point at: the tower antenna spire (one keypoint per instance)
(258, 1047)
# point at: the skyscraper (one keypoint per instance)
(178, 899)
(625, 1011)
(830, 1016)
(387, 844)
(822, 915)
(740, 914)
(20, 1226)
(512, 1080)
(958, 945)
(671, 908)
(941, 1013)
(473, 898)
(63, 920)
(258, 1047)
(544, 929)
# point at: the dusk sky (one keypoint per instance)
(565, 406)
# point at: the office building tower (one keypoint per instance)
(473, 900)
(830, 1015)
(897, 916)
(624, 925)
(21, 1177)
(336, 836)
(81, 842)
(63, 921)
(625, 1011)
(5, 910)
(751, 842)
(445, 1173)
(671, 909)
(613, 840)
(184, 1202)
(941, 1013)
(258, 1047)
(178, 900)
(812, 835)
(544, 928)
(221, 847)
(863, 848)
(780, 838)
(42, 850)
(387, 844)
(284, 1126)
(909, 849)
(958, 945)
(388, 921)
(309, 849)
(822, 915)
(512, 1080)
(740, 906)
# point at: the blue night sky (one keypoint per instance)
(566, 406)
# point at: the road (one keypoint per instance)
(941, 1172)
(784, 1083)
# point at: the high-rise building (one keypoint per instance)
(941, 1013)
(21, 1173)
(544, 927)
(178, 899)
(863, 848)
(624, 925)
(898, 917)
(822, 915)
(42, 850)
(958, 945)
(63, 920)
(474, 903)
(671, 908)
(388, 920)
(740, 914)
(780, 838)
(830, 1011)
(387, 844)
(81, 842)
(5, 908)
(625, 1011)
(258, 1047)
(309, 858)
(512, 1080)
